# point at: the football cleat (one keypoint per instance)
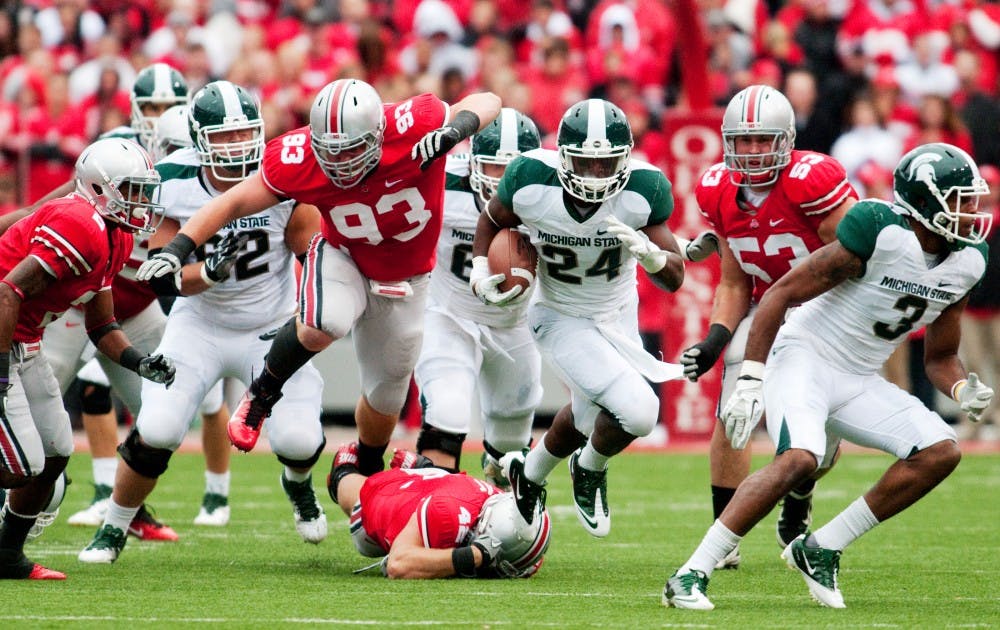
(38, 572)
(105, 548)
(245, 425)
(93, 514)
(310, 520)
(590, 495)
(819, 568)
(493, 472)
(24, 569)
(687, 590)
(404, 459)
(145, 527)
(731, 561)
(214, 510)
(529, 496)
(794, 519)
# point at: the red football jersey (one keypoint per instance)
(770, 240)
(131, 296)
(74, 243)
(447, 505)
(390, 222)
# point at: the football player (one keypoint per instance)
(772, 205)
(894, 267)
(469, 344)
(425, 522)
(67, 252)
(593, 213)
(157, 88)
(238, 287)
(372, 169)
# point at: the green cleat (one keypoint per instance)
(590, 495)
(819, 568)
(687, 590)
(105, 548)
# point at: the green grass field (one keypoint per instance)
(934, 566)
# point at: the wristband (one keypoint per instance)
(96, 334)
(956, 389)
(717, 338)
(130, 358)
(206, 278)
(466, 123)
(752, 370)
(4, 368)
(463, 560)
(181, 246)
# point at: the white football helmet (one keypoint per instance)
(347, 124)
(117, 177)
(172, 132)
(758, 110)
(523, 544)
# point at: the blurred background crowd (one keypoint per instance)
(868, 79)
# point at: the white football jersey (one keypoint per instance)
(449, 286)
(857, 324)
(582, 270)
(261, 285)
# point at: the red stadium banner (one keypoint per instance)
(694, 143)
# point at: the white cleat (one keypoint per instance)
(312, 531)
(92, 515)
(687, 591)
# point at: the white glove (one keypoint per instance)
(699, 248)
(158, 265)
(973, 396)
(745, 406)
(651, 257)
(484, 285)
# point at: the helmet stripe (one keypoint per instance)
(597, 129)
(230, 100)
(161, 80)
(752, 105)
(508, 130)
(335, 108)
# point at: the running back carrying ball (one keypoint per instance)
(512, 254)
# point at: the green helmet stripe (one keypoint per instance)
(597, 128)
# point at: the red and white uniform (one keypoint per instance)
(389, 223)
(446, 505)
(74, 244)
(78, 248)
(769, 240)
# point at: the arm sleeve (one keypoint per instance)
(858, 230)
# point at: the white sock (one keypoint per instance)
(297, 477)
(217, 483)
(591, 459)
(120, 516)
(540, 462)
(847, 526)
(715, 546)
(104, 470)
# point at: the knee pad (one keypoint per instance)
(304, 463)
(142, 458)
(640, 416)
(96, 399)
(435, 439)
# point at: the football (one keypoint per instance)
(512, 254)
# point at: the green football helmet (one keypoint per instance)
(225, 109)
(509, 135)
(935, 184)
(159, 85)
(595, 143)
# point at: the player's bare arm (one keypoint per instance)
(28, 279)
(827, 230)
(941, 361)
(409, 559)
(671, 275)
(485, 105)
(821, 271)
(248, 197)
(304, 223)
(734, 292)
(496, 217)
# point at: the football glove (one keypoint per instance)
(435, 144)
(493, 566)
(157, 368)
(700, 357)
(699, 248)
(746, 406)
(649, 256)
(218, 264)
(973, 396)
(484, 285)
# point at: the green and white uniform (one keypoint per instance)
(468, 344)
(822, 383)
(222, 331)
(584, 313)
